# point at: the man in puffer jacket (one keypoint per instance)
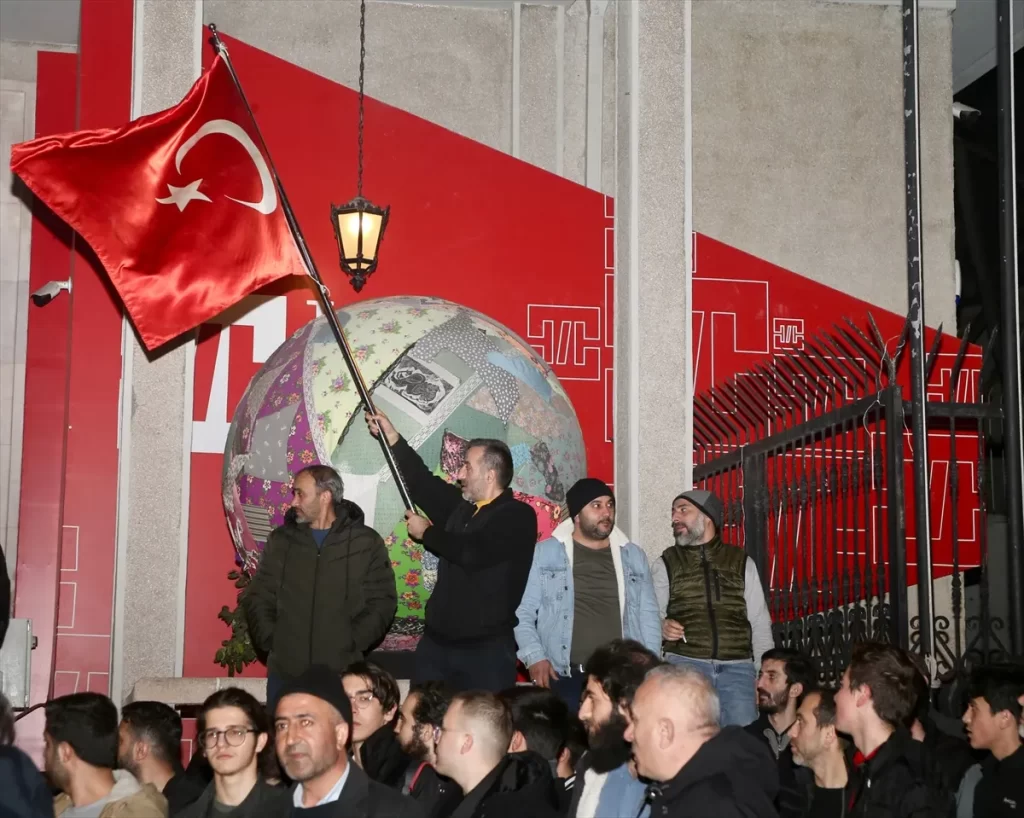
(324, 592)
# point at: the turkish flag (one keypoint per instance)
(179, 206)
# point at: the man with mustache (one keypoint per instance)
(715, 619)
(588, 585)
(312, 735)
(606, 784)
(483, 538)
(324, 592)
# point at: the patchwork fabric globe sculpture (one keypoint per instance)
(444, 374)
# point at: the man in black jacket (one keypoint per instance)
(698, 769)
(484, 540)
(418, 726)
(324, 592)
(892, 777)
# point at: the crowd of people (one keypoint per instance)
(654, 690)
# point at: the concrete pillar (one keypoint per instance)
(156, 408)
(653, 446)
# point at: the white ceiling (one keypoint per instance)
(974, 24)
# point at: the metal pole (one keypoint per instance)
(915, 300)
(1010, 292)
(325, 301)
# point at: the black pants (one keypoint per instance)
(481, 666)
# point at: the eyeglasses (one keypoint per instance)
(362, 699)
(233, 737)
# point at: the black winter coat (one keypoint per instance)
(898, 781)
(326, 606)
(732, 776)
(23, 790)
(484, 556)
(383, 759)
(436, 795)
(363, 798)
(520, 786)
(263, 801)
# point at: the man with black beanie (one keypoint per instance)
(312, 731)
(587, 586)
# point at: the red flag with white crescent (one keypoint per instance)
(179, 206)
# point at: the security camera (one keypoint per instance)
(49, 291)
(965, 113)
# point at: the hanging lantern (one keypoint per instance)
(359, 225)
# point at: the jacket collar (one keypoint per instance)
(617, 541)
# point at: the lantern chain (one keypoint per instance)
(362, 68)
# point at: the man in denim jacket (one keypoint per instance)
(587, 586)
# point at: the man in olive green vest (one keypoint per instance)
(714, 616)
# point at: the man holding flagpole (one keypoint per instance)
(484, 540)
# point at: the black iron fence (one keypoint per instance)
(811, 455)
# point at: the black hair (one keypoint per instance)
(799, 667)
(999, 685)
(497, 457)
(890, 674)
(382, 683)
(575, 739)
(257, 716)
(159, 725)
(541, 716)
(620, 667)
(825, 712)
(432, 702)
(88, 723)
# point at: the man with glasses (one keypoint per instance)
(374, 695)
(312, 727)
(233, 732)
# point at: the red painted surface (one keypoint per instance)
(468, 223)
(47, 352)
(90, 478)
(747, 311)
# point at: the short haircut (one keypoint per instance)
(695, 690)
(890, 674)
(575, 739)
(497, 458)
(541, 716)
(157, 724)
(799, 667)
(88, 723)
(490, 713)
(825, 712)
(382, 684)
(999, 685)
(431, 703)
(620, 667)
(326, 479)
(255, 712)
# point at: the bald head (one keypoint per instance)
(673, 713)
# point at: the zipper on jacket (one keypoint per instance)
(711, 606)
(312, 608)
(718, 586)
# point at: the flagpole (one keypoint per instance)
(307, 258)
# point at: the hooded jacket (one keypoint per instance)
(732, 776)
(521, 785)
(329, 605)
(128, 799)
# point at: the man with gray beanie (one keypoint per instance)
(587, 586)
(714, 616)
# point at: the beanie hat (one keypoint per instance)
(585, 491)
(323, 683)
(706, 502)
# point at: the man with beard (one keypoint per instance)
(80, 750)
(786, 676)
(715, 619)
(698, 769)
(312, 727)
(418, 726)
(588, 585)
(484, 539)
(817, 747)
(605, 782)
(324, 591)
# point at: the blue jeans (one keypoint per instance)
(570, 688)
(734, 682)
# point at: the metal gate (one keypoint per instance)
(810, 455)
